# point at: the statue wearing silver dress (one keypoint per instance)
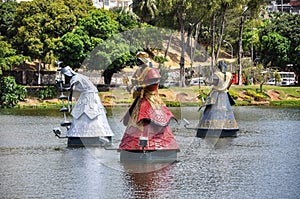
(218, 118)
(89, 114)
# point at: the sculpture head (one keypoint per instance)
(222, 66)
(142, 58)
(152, 77)
(68, 71)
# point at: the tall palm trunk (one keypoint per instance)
(182, 55)
(213, 29)
(221, 34)
(169, 43)
(240, 51)
(195, 44)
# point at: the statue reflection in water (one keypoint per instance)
(146, 180)
(89, 114)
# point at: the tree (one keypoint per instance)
(287, 26)
(7, 12)
(8, 56)
(182, 16)
(275, 49)
(259, 74)
(127, 20)
(72, 51)
(277, 77)
(250, 8)
(110, 56)
(93, 29)
(146, 10)
(40, 24)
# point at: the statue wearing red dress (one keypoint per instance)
(148, 118)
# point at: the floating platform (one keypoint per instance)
(164, 156)
(88, 141)
(202, 133)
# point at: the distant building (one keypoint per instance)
(108, 4)
(290, 6)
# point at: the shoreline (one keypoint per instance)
(189, 96)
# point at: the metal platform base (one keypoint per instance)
(168, 156)
(202, 133)
(88, 142)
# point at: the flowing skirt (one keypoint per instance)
(218, 114)
(144, 119)
(86, 127)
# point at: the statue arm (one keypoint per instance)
(230, 82)
(213, 80)
(70, 98)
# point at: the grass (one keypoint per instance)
(243, 95)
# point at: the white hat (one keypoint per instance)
(143, 57)
(68, 71)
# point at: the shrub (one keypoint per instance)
(10, 92)
(234, 94)
(256, 96)
(172, 104)
(48, 92)
(202, 95)
(250, 93)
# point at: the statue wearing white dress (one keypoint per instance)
(89, 115)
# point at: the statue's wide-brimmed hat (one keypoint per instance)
(143, 57)
(68, 71)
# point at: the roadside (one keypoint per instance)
(190, 96)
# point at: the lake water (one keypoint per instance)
(262, 162)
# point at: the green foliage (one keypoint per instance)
(287, 26)
(72, 49)
(40, 24)
(275, 49)
(10, 92)
(7, 12)
(100, 24)
(255, 95)
(97, 26)
(202, 94)
(146, 10)
(250, 93)
(160, 59)
(243, 102)
(233, 94)
(127, 20)
(277, 76)
(124, 101)
(48, 92)
(172, 104)
(8, 56)
(292, 103)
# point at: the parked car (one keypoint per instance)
(271, 82)
(169, 83)
(197, 81)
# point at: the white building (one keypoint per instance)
(108, 4)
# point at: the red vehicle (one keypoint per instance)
(295, 2)
(235, 78)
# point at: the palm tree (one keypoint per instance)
(146, 10)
